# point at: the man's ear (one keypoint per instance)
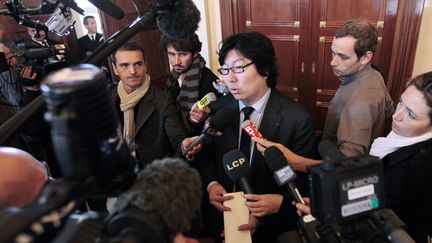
(195, 54)
(366, 58)
(114, 68)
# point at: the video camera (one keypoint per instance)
(43, 60)
(347, 202)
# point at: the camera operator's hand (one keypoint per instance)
(28, 73)
(303, 209)
(262, 205)
(28, 76)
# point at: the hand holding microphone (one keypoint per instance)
(212, 127)
(283, 173)
(200, 109)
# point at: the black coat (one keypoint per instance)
(158, 127)
(85, 44)
(408, 187)
(285, 122)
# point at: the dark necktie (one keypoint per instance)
(92, 37)
(245, 141)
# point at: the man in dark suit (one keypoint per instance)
(151, 122)
(88, 43)
(249, 69)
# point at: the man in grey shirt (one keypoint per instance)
(357, 112)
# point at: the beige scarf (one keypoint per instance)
(127, 104)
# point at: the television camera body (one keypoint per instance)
(348, 204)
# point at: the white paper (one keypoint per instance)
(238, 215)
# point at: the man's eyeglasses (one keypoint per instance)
(235, 69)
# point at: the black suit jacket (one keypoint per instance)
(408, 187)
(158, 127)
(285, 122)
(85, 44)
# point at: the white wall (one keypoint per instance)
(209, 30)
(423, 60)
(89, 9)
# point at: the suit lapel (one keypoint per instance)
(269, 125)
(145, 109)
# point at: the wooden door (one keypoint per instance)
(148, 38)
(285, 23)
(304, 53)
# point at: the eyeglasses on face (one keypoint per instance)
(235, 69)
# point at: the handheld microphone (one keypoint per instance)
(249, 127)
(329, 151)
(237, 167)
(109, 8)
(222, 88)
(206, 100)
(283, 173)
(212, 128)
(177, 18)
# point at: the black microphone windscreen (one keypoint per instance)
(236, 165)
(109, 8)
(274, 158)
(169, 187)
(329, 151)
(222, 118)
(178, 19)
(90, 144)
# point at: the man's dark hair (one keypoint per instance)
(85, 20)
(128, 46)
(365, 34)
(189, 43)
(256, 47)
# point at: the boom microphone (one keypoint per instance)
(162, 202)
(329, 151)
(237, 167)
(177, 18)
(206, 100)
(213, 126)
(283, 173)
(108, 7)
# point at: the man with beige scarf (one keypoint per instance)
(151, 122)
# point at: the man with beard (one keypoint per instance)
(356, 113)
(190, 79)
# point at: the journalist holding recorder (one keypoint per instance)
(407, 156)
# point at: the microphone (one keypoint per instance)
(85, 132)
(237, 167)
(177, 18)
(222, 88)
(329, 151)
(212, 127)
(283, 173)
(162, 202)
(249, 127)
(38, 53)
(206, 100)
(109, 8)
